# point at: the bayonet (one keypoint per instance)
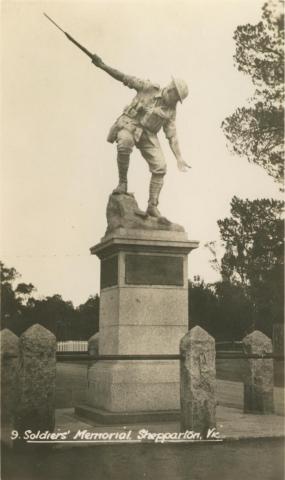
(71, 38)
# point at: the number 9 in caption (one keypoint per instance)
(14, 434)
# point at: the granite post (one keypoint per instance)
(258, 382)
(93, 344)
(198, 381)
(9, 383)
(36, 410)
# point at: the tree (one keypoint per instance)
(88, 317)
(234, 312)
(24, 291)
(253, 258)
(13, 299)
(20, 310)
(10, 306)
(202, 306)
(257, 131)
(222, 309)
(53, 313)
(253, 239)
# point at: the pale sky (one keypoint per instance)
(57, 168)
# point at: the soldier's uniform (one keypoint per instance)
(138, 126)
(141, 121)
(151, 109)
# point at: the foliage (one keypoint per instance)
(222, 309)
(20, 310)
(12, 298)
(202, 305)
(53, 313)
(253, 239)
(257, 131)
(253, 260)
(88, 314)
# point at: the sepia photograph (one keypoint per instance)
(142, 240)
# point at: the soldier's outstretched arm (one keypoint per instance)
(171, 135)
(174, 145)
(111, 71)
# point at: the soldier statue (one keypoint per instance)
(151, 109)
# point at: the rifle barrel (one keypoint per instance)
(78, 45)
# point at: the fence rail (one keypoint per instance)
(225, 349)
(219, 356)
(229, 345)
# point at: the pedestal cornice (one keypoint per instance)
(142, 240)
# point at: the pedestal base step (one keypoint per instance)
(123, 418)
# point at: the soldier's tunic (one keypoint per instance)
(141, 121)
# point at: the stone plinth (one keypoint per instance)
(123, 212)
(143, 310)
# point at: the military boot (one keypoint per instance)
(155, 187)
(123, 166)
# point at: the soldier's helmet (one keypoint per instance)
(181, 87)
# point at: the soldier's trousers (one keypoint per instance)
(149, 147)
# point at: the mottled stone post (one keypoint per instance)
(37, 380)
(93, 344)
(9, 383)
(258, 382)
(197, 381)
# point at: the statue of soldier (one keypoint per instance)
(151, 109)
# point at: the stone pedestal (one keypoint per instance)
(143, 310)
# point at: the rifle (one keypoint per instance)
(91, 55)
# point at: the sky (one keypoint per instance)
(57, 169)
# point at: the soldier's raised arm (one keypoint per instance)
(128, 80)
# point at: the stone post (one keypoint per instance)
(37, 380)
(197, 381)
(93, 344)
(9, 383)
(258, 383)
